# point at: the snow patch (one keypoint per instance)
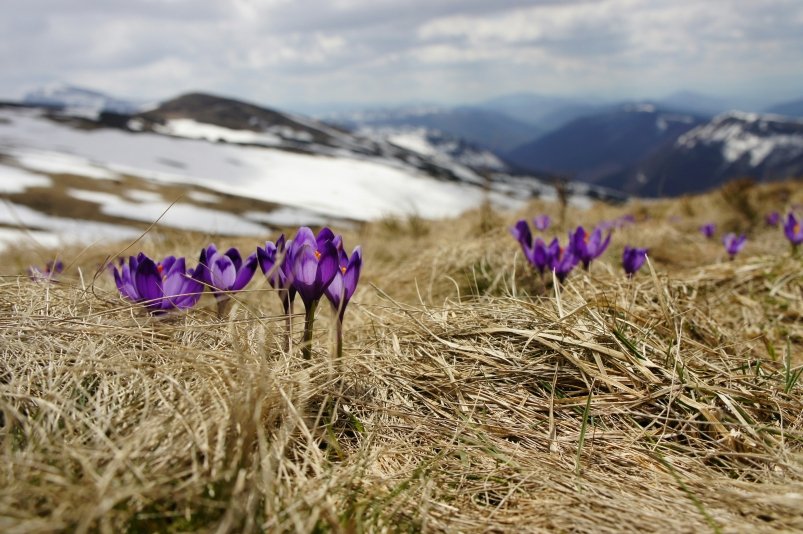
(61, 230)
(287, 217)
(184, 217)
(742, 134)
(204, 198)
(50, 162)
(15, 180)
(210, 132)
(181, 216)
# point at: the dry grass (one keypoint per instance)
(467, 400)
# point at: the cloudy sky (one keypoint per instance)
(296, 53)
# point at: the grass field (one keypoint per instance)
(469, 398)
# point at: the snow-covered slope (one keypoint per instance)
(302, 187)
(593, 147)
(78, 101)
(337, 186)
(437, 145)
(748, 138)
(220, 166)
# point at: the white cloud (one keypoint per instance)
(280, 51)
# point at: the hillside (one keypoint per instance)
(485, 128)
(467, 397)
(595, 146)
(732, 145)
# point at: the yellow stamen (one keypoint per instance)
(343, 270)
(317, 255)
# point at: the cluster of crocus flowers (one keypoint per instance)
(733, 244)
(312, 266)
(49, 273)
(582, 247)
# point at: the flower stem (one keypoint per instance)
(339, 345)
(287, 304)
(223, 304)
(309, 319)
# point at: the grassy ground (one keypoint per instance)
(469, 397)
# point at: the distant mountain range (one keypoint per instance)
(732, 145)
(593, 147)
(235, 168)
(487, 128)
(645, 148)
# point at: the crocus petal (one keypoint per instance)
(223, 272)
(604, 245)
(521, 232)
(245, 273)
(335, 291)
(167, 264)
(267, 260)
(174, 281)
(539, 255)
(202, 270)
(147, 280)
(326, 234)
(234, 256)
(304, 236)
(123, 282)
(328, 266)
(352, 275)
(189, 293)
(305, 266)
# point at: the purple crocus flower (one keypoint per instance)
(343, 285)
(48, 274)
(541, 254)
(161, 286)
(521, 232)
(587, 248)
(224, 272)
(792, 230)
(772, 219)
(313, 263)
(733, 244)
(632, 259)
(273, 260)
(563, 261)
(708, 230)
(542, 222)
